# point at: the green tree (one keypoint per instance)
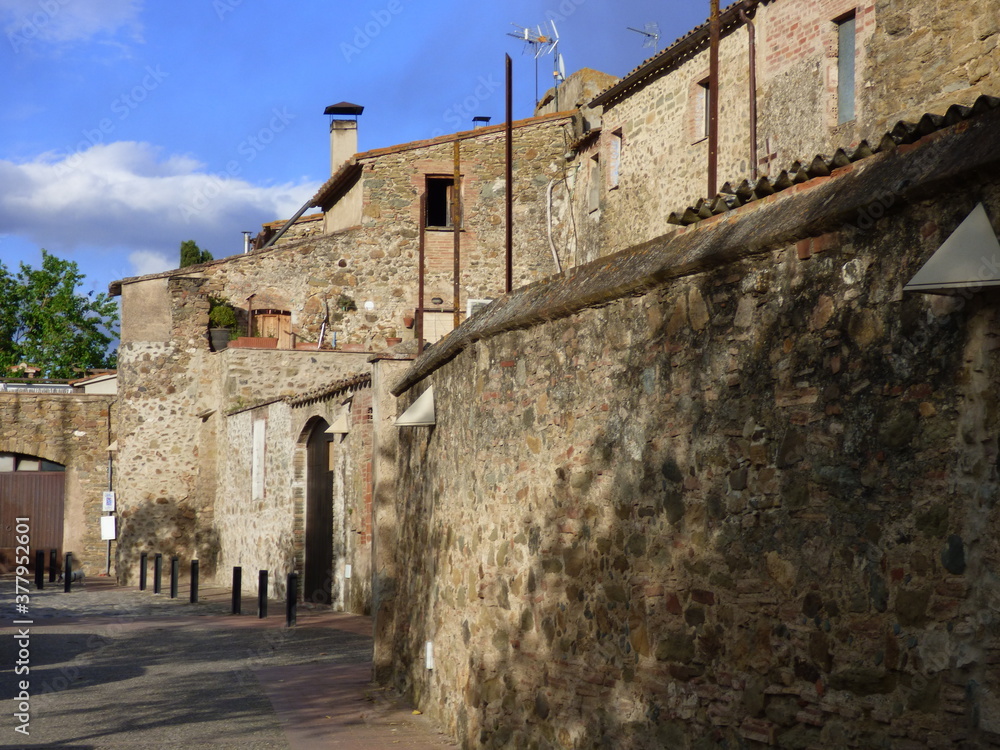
(191, 254)
(46, 322)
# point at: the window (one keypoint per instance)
(845, 68)
(257, 460)
(439, 196)
(615, 167)
(702, 111)
(594, 196)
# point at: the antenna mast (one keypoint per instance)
(652, 34)
(541, 42)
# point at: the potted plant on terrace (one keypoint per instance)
(221, 322)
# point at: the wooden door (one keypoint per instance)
(318, 576)
(37, 496)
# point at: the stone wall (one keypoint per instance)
(174, 392)
(266, 531)
(752, 505)
(911, 58)
(75, 431)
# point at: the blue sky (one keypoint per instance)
(130, 126)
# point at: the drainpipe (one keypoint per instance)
(509, 178)
(752, 31)
(715, 32)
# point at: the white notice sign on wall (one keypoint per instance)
(108, 528)
(108, 503)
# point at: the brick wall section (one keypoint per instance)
(912, 58)
(72, 430)
(737, 504)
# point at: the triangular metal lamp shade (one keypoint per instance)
(340, 425)
(420, 413)
(969, 259)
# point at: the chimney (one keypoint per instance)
(343, 132)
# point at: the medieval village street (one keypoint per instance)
(118, 668)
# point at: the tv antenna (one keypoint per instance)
(542, 43)
(652, 34)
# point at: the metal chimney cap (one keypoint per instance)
(344, 108)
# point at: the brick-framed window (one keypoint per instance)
(846, 26)
(440, 190)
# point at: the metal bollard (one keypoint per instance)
(53, 564)
(174, 572)
(262, 594)
(157, 572)
(291, 597)
(194, 581)
(40, 569)
(68, 573)
(143, 564)
(237, 590)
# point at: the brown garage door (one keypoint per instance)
(38, 496)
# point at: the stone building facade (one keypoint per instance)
(74, 431)
(731, 488)
(189, 414)
(650, 157)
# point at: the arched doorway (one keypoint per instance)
(33, 488)
(317, 584)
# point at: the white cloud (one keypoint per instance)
(145, 262)
(27, 22)
(126, 196)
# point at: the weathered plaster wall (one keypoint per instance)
(753, 506)
(75, 431)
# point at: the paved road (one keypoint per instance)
(119, 668)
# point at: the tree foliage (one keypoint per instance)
(46, 322)
(192, 255)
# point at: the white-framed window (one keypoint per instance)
(259, 442)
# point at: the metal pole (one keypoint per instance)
(157, 572)
(262, 594)
(68, 573)
(509, 176)
(174, 570)
(421, 252)
(53, 564)
(143, 565)
(40, 569)
(456, 220)
(194, 581)
(713, 102)
(752, 63)
(237, 590)
(291, 595)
